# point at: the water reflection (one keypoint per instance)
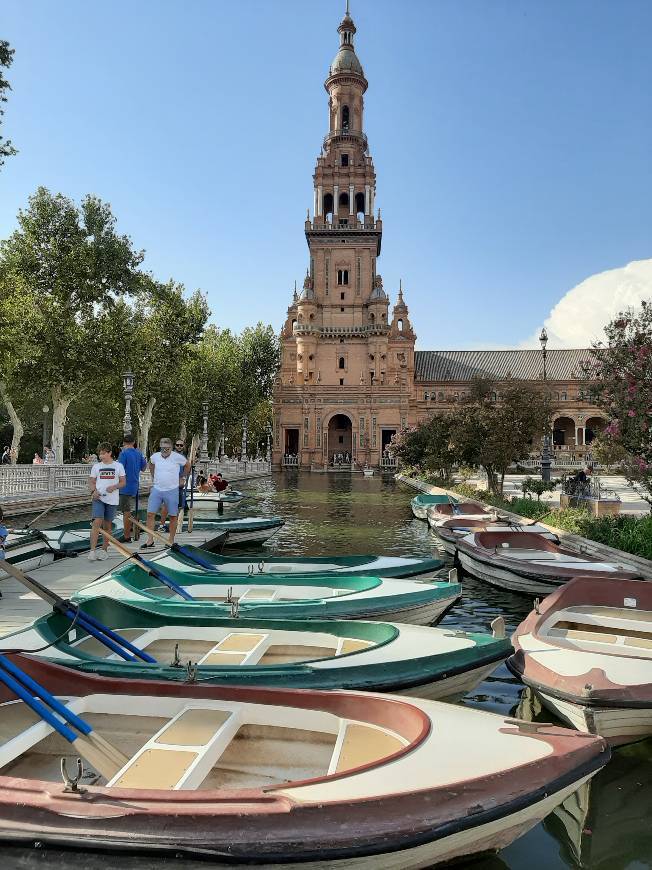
(605, 829)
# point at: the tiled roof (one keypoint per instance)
(464, 365)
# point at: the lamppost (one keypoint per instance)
(222, 449)
(128, 389)
(268, 452)
(203, 454)
(46, 411)
(244, 440)
(546, 458)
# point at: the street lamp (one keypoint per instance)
(203, 455)
(244, 440)
(546, 458)
(46, 411)
(128, 389)
(222, 449)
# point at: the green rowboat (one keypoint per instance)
(372, 656)
(420, 503)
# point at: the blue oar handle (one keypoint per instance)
(108, 643)
(19, 687)
(193, 557)
(163, 578)
(104, 634)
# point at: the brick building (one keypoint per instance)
(350, 376)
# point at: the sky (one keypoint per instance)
(511, 141)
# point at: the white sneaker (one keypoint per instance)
(92, 556)
(101, 555)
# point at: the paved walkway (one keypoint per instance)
(632, 503)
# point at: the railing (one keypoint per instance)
(19, 480)
(389, 462)
(227, 467)
(339, 225)
(290, 461)
(363, 329)
(346, 136)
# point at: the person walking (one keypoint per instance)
(6, 457)
(180, 448)
(4, 534)
(106, 479)
(165, 468)
(133, 462)
(49, 457)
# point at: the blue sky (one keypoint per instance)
(511, 140)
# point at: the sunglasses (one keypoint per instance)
(178, 445)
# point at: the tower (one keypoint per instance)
(346, 371)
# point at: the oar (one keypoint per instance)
(93, 747)
(149, 568)
(42, 514)
(184, 551)
(111, 639)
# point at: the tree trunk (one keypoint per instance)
(183, 432)
(17, 426)
(144, 423)
(60, 405)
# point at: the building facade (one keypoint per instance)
(350, 377)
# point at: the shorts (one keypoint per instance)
(127, 504)
(170, 498)
(103, 511)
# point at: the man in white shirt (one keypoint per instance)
(164, 467)
(107, 476)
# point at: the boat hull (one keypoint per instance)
(618, 725)
(28, 555)
(510, 580)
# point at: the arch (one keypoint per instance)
(346, 117)
(344, 200)
(563, 432)
(372, 317)
(341, 363)
(592, 428)
(294, 324)
(328, 206)
(340, 436)
(359, 206)
(399, 323)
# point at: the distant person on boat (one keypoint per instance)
(203, 484)
(38, 460)
(219, 483)
(49, 457)
(107, 478)
(133, 462)
(165, 468)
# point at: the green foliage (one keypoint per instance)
(623, 370)
(537, 486)
(6, 60)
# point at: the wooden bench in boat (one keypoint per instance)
(608, 625)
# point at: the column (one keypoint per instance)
(367, 199)
(373, 202)
(315, 200)
(336, 205)
(351, 199)
(320, 201)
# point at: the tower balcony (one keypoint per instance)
(346, 224)
(362, 330)
(336, 137)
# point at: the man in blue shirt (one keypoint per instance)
(134, 462)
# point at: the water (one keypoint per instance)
(340, 513)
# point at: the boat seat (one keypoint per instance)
(359, 744)
(261, 593)
(181, 755)
(352, 644)
(233, 649)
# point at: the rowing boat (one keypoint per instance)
(211, 501)
(439, 514)
(420, 503)
(26, 549)
(321, 596)
(530, 564)
(350, 566)
(586, 651)
(451, 531)
(273, 777)
(242, 530)
(372, 656)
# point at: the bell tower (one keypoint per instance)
(341, 355)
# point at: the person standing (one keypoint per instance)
(4, 533)
(133, 462)
(107, 477)
(165, 469)
(6, 457)
(49, 457)
(179, 447)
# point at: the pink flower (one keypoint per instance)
(631, 413)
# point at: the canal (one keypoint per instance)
(605, 827)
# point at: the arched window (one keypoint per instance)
(426, 396)
(372, 317)
(359, 206)
(345, 159)
(400, 325)
(344, 200)
(328, 206)
(294, 325)
(345, 117)
(342, 276)
(341, 363)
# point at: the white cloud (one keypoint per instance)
(579, 318)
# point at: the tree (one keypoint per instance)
(537, 487)
(71, 270)
(622, 374)
(428, 446)
(493, 434)
(6, 60)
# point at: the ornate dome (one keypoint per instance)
(346, 60)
